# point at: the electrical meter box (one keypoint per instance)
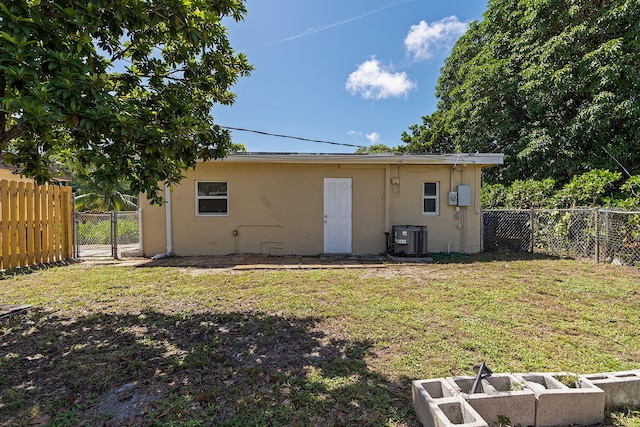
(464, 195)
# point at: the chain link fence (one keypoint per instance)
(110, 234)
(603, 235)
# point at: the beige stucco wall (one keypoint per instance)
(10, 176)
(455, 229)
(277, 209)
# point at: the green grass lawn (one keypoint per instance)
(179, 346)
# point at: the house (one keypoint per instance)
(309, 204)
(12, 173)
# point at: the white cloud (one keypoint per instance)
(425, 39)
(373, 137)
(374, 81)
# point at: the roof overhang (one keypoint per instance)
(483, 159)
(57, 175)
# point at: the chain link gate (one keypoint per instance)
(507, 230)
(111, 234)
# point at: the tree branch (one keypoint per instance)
(3, 90)
(12, 133)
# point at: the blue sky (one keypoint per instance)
(356, 72)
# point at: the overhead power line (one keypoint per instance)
(293, 137)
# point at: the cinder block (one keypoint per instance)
(423, 392)
(558, 404)
(438, 405)
(456, 412)
(499, 395)
(621, 389)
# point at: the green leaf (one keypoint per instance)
(9, 38)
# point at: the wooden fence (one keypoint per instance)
(36, 224)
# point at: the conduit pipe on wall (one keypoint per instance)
(167, 198)
(168, 224)
(387, 199)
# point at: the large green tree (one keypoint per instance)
(127, 86)
(550, 83)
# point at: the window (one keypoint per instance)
(212, 198)
(430, 203)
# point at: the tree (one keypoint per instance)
(376, 149)
(550, 83)
(97, 197)
(530, 194)
(596, 188)
(429, 137)
(587, 189)
(127, 86)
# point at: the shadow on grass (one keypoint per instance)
(21, 271)
(226, 369)
(444, 258)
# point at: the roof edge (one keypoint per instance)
(488, 159)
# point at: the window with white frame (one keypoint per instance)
(212, 198)
(430, 198)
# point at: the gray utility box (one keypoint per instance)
(409, 240)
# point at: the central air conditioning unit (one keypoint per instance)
(408, 240)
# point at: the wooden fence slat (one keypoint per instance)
(36, 224)
(4, 231)
(56, 223)
(13, 224)
(31, 226)
(37, 219)
(46, 202)
(22, 224)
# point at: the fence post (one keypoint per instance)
(607, 240)
(67, 219)
(597, 231)
(114, 234)
(532, 217)
(76, 228)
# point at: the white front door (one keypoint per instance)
(337, 215)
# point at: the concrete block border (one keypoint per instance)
(559, 404)
(499, 397)
(541, 399)
(621, 389)
(437, 404)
